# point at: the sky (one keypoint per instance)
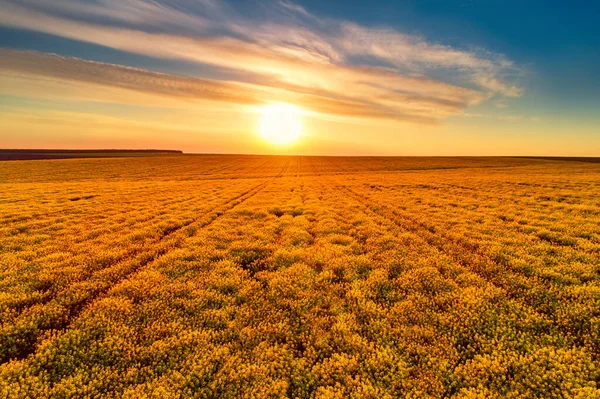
(419, 77)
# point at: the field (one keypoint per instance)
(301, 277)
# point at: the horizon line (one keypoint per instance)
(182, 152)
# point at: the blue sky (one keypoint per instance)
(557, 41)
(408, 68)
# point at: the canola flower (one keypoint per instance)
(299, 277)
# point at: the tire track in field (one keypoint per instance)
(454, 247)
(470, 256)
(467, 255)
(205, 221)
(25, 339)
(145, 222)
(497, 212)
(82, 213)
(85, 217)
(264, 201)
(371, 210)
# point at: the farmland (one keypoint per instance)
(301, 277)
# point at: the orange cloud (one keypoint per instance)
(304, 59)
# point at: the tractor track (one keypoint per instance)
(27, 338)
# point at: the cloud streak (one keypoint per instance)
(23, 64)
(123, 77)
(289, 55)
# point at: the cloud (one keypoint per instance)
(24, 64)
(413, 53)
(282, 52)
(510, 118)
(123, 77)
(519, 118)
(294, 8)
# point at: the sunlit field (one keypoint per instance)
(300, 277)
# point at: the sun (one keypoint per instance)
(281, 124)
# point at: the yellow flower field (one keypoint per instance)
(299, 277)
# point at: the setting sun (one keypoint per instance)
(281, 124)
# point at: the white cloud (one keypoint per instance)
(291, 54)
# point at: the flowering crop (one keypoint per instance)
(300, 277)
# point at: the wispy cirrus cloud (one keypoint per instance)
(23, 64)
(75, 69)
(282, 53)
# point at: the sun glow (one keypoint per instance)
(281, 124)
